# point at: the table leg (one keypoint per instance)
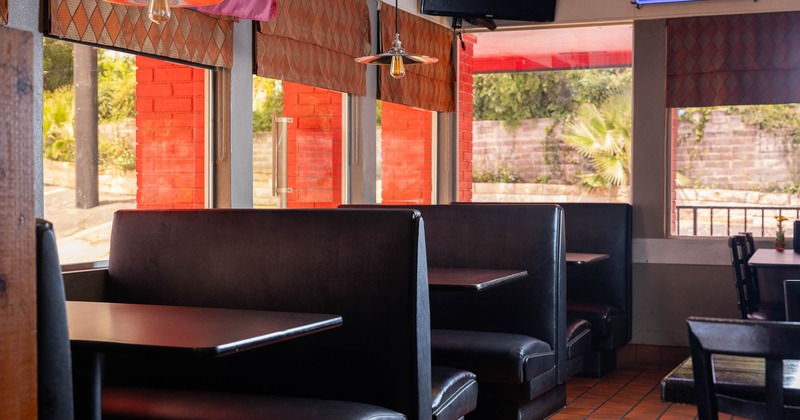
(87, 384)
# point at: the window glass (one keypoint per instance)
(736, 169)
(550, 114)
(297, 145)
(119, 132)
(405, 140)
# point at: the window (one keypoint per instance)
(297, 145)
(120, 132)
(734, 127)
(550, 114)
(405, 154)
(736, 169)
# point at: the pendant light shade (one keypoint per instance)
(396, 57)
(159, 11)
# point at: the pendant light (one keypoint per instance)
(396, 58)
(159, 11)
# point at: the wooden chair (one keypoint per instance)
(791, 296)
(773, 341)
(746, 282)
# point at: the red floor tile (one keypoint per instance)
(631, 394)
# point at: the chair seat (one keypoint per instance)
(455, 392)
(767, 315)
(493, 357)
(151, 403)
(609, 323)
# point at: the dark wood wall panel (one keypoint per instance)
(17, 228)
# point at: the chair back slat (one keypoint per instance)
(791, 299)
(774, 341)
(740, 272)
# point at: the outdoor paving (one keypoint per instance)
(82, 234)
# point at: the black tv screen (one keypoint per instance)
(527, 10)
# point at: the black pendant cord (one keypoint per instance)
(396, 18)
(380, 40)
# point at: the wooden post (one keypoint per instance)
(17, 228)
(87, 193)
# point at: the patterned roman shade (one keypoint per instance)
(427, 86)
(3, 12)
(189, 35)
(733, 60)
(315, 43)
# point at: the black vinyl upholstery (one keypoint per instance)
(55, 397)
(367, 266)
(455, 392)
(158, 404)
(528, 316)
(601, 292)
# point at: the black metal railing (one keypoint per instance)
(728, 220)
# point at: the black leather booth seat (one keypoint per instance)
(601, 292)
(455, 392)
(513, 336)
(579, 342)
(159, 404)
(367, 266)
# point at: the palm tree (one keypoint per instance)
(603, 135)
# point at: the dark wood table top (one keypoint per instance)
(768, 257)
(474, 279)
(583, 258)
(735, 375)
(213, 332)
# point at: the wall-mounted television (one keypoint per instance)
(525, 10)
(644, 2)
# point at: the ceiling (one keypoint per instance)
(559, 48)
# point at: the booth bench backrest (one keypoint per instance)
(600, 228)
(525, 237)
(367, 266)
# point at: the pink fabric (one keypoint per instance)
(262, 10)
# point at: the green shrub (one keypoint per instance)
(116, 86)
(57, 124)
(503, 174)
(267, 101)
(116, 153)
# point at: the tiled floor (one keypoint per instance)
(623, 394)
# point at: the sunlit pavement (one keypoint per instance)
(82, 234)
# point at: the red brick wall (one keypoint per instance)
(406, 154)
(465, 70)
(315, 146)
(170, 144)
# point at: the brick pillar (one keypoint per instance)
(315, 146)
(465, 109)
(170, 135)
(406, 155)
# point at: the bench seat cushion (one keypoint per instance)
(579, 337)
(166, 404)
(609, 323)
(494, 357)
(455, 392)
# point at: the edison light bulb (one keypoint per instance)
(160, 11)
(397, 69)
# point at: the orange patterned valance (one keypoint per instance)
(733, 60)
(3, 12)
(315, 43)
(189, 35)
(427, 86)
